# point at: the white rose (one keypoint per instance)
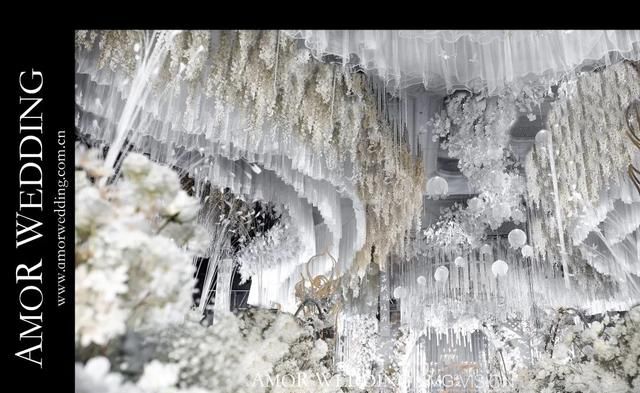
(183, 208)
(136, 165)
(320, 349)
(597, 327)
(603, 350)
(81, 180)
(98, 367)
(158, 376)
(91, 211)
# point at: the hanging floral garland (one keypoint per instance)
(279, 243)
(591, 154)
(208, 76)
(474, 128)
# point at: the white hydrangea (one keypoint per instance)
(604, 357)
(158, 376)
(136, 166)
(229, 355)
(320, 349)
(92, 211)
(146, 185)
(130, 273)
(96, 377)
(182, 208)
(192, 236)
(99, 316)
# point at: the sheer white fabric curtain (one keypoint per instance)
(450, 59)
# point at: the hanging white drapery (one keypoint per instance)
(470, 59)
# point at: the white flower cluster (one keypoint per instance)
(398, 366)
(603, 357)
(244, 352)
(95, 377)
(475, 131)
(279, 244)
(310, 359)
(592, 152)
(129, 272)
(362, 356)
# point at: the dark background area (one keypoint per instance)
(51, 51)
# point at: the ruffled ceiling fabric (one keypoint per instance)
(313, 130)
(469, 59)
(211, 103)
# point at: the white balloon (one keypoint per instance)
(459, 261)
(441, 274)
(527, 251)
(398, 292)
(486, 249)
(499, 268)
(517, 238)
(422, 280)
(437, 187)
(542, 137)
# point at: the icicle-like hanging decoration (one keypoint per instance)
(252, 111)
(596, 201)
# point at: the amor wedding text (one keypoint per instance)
(30, 220)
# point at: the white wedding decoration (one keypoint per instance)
(437, 187)
(399, 292)
(499, 268)
(129, 274)
(473, 128)
(96, 377)
(315, 131)
(273, 91)
(590, 154)
(362, 359)
(486, 249)
(459, 262)
(527, 251)
(270, 248)
(517, 238)
(235, 353)
(441, 274)
(255, 351)
(601, 356)
(132, 281)
(397, 367)
(471, 59)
